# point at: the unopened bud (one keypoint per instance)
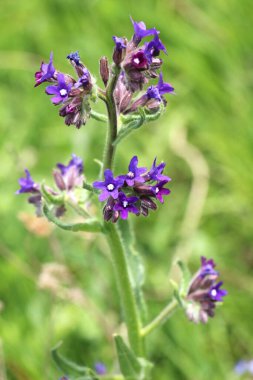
(104, 70)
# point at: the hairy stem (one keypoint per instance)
(161, 318)
(125, 290)
(112, 119)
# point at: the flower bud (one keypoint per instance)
(104, 70)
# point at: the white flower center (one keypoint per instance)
(130, 175)
(137, 60)
(214, 293)
(110, 187)
(157, 190)
(125, 204)
(63, 92)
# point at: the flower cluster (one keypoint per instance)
(67, 178)
(72, 94)
(204, 292)
(133, 192)
(139, 64)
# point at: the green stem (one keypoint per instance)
(112, 119)
(161, 318)
(125, 289)
(98, 116)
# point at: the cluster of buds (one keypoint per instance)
(67, 179)
(133, 192)
(204, 292)
(72, 94)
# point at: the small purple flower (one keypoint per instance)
(155, 173)
(140, 31)
(153, 48)
(207, 267)
(153, 93)
(160, 191)
(216, 293)
(61, 91)
(120, 43)
(46, 72)
(139, 60)
(125, 205)
(84, 80)
(74, 57)
(134, 173)
(109, 187)
(76, 161)
(100, 368)
(27, 185)
(164, 88)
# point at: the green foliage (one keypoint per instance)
(210, 65)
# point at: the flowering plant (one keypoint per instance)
(130, 102)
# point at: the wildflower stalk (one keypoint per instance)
(161, 318)
(112, 119)
(116, 245)
(126, 292)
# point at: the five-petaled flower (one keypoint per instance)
(60, 91)
(125, 205)
(109, 187)
(134, 174)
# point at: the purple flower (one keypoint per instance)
(139, 60)
(84, 80)
(164, 88)
(216, 294)
(75, 161)
(120, 43)
(109, 187)
(153, 93)
(74, 57)
(159, 190)
(61, 91)
(134, 173)
(125, 205)
(155, 173)
(27, 185)
(69, 176)
(153, 48)
(203, 293)
(100, 368)
(207, 267)
(46, 72)
(140, 31)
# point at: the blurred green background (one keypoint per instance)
(206, 138)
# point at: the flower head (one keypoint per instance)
(204, 292)
(155, 173)
(153, 48)
(140, 31)
(100, 368)
(27, 185)
(74, 57)
(160, 191)
(46, 72)
(125, 205)
(120, 43)
(134, 173)
(61, 91)
(109, 187)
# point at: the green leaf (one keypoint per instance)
(186, 278)
(132, 367)
(68, 367)
(129, 364)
